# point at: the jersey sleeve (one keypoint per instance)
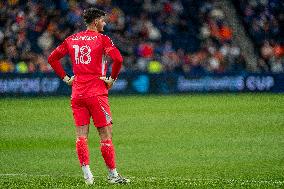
(54, 59)
(113, 52)
(62, 49)
(108, 45)
(117, 63)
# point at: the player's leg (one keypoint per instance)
(82, 120)
(108, 153)
(107, 148)
(102, 120)
(83, 152)
(82, 144)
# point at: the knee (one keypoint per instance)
(82, 131)
(105, 136)
(105, 133)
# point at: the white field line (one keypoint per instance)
(151, 179)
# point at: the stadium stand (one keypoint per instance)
(154, 36)
(264, 21)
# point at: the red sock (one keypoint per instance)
(108, 153)
(82, 150)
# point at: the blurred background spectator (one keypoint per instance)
(264, 21)
(153, 35)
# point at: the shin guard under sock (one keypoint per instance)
(108, 153)
(82, 150)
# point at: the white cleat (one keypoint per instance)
(89, 180)
(118, 180)
(88, 176)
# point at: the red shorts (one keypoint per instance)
(96, 107)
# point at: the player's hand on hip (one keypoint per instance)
(68, 80)
(108, 81)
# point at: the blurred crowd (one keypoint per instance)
(180, 36)
(153, 35)
(264, 20)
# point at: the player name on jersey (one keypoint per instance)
(85, 38)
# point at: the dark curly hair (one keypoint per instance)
(91, 14)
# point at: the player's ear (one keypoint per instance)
(92, 23)
(95, 22)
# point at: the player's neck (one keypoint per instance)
(92, 28)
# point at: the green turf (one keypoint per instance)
(188, 141)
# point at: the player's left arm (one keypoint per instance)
(117, 59)
(54, 61)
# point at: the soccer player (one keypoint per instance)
(90, 86)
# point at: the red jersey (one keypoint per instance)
(87, 50)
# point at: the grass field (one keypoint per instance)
(188, 141)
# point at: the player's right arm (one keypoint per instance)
(54, 61)
(114, 54)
